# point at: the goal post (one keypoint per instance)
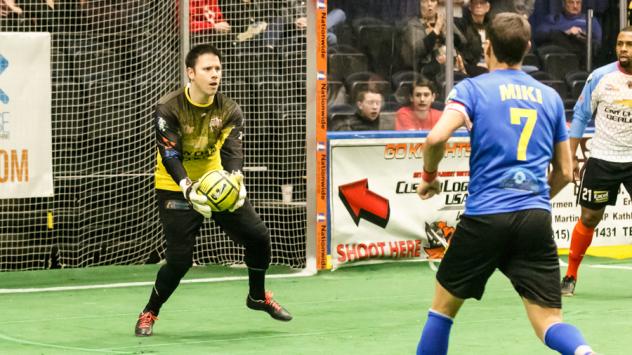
(110, 63)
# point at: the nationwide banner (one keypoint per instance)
(375, 214)
(26, 167)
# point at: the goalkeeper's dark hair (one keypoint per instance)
(199, 50)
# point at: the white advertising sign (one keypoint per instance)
(376, 215)
(25, 115)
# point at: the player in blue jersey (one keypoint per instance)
(607, 96)
(517, 128)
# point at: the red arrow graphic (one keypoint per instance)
(364, 203)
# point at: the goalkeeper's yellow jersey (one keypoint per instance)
(193, 139)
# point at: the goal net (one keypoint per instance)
(111, 62)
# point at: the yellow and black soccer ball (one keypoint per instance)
(220, 188)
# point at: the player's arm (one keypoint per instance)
(169, 142)
(453, 118)
(582, 114)
(562, 172)
(232, 153)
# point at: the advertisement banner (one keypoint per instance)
(26, 167)
(376, 215)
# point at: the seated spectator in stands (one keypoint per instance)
(472, 25)
(522, 7)
(335, 17)
(422, 35)
(287, 20)
(205, 15)
(568, 30)
(435, 70)
(419, 115)
(367, 115)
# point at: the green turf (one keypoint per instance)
(364, 310)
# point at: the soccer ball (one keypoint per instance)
(220, 188)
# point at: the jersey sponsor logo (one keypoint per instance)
(596, 196)
(627, 102)
(177, 205)
(520, 179)
(215, 123)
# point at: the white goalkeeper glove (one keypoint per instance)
(197, 201)
(239, 178)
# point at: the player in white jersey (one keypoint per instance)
(607, 96)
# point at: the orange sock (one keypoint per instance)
(580, 241)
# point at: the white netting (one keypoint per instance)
(110, 65)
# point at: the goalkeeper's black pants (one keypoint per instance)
(181, 225)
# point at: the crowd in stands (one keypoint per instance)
(389, 47)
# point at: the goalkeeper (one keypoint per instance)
(199, 129)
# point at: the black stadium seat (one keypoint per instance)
(559, 64)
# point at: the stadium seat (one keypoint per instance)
(569, 103)
(405, 75)
(336, 92)
(531, 59)
(343, 64)
(402, 92)
(540, 75)
(558, 85)
(559, 64)
(576, 88)
(548, 49)
(377, 42)
(366, 80)
(570, 77)
(387, 120)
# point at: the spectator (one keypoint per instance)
(472, 25)
(568, 30)
(367, 115)
(205, 15)
(288, 20)
(335, 17)
(419, 115)
(423, 35)
(522, 7)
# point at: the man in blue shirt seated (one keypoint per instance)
(568, 30)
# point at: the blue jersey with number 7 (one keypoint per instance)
(515, 123)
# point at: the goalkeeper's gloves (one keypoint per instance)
(239, 178)
(197, 201)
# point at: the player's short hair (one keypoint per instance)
(199, 50)
(509, 35)
(423, 82)
(626, 29)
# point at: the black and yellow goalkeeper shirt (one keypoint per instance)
(193, 139)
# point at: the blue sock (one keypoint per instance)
(435, 336)
(565, 338)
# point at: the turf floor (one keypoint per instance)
(378, 309)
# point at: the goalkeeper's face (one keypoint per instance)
(207, 74)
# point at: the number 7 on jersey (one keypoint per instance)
(531, 115)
